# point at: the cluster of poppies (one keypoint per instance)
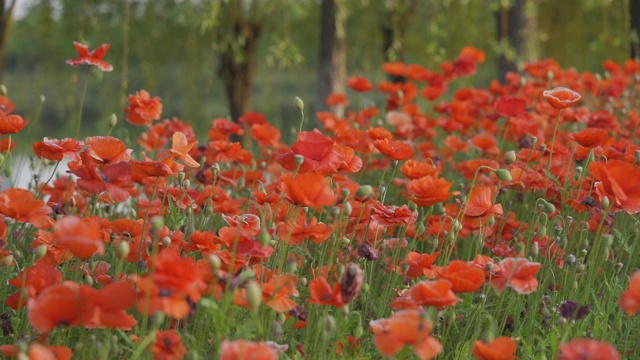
(398, 213)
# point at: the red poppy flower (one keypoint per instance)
(335, 99)
(510, 107)
(318, 152)
(394, 150)
(308, 189)
(244, 349)
(168, 346)
(22, 205)
(6, 106)
(630, 298)
(180, 149)
(222, 129)
(561, 97)
(38, 352)
(480, 203)
(55, 150)
(429, 190)
(415, 169)
(588, 349)
(143, 109)
(107, 150)
(322, 293)
(406, 327)
(392, 215)
(93, 58)
(437, 293)
(11, 124)
(518, 274)
(359, 84)
(265, 134)
(31, 282)
(464, 277)
(81, 236)
(590, 137)
(616, 180)
(421, 265)
(395, 68)
(294, 232)
(500, 348)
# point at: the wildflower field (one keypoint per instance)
(491, 223)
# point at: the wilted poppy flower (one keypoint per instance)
(143, 109)
(561, 97)
(406, 327)
(392, 215)
(500, 348)
(590, 137)
(630, 298)
(11, 124)
(518, 274)
(572, 311)
(429, 190)
(587, 349)
(55, 150)
(168, 346)
(308, 189)
(351, 282)
(94, 58)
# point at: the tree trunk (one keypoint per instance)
(332, 72)
(510, 25)
(396, 19)
(634, 11)
(238, 65)
(6, 18)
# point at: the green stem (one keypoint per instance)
(84, 93)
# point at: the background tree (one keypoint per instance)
(332, 67)
(396, 19)
(6, 18)
(634, 37)
(510, 26)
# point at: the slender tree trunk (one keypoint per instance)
(634, 11)
(238, 65)
(394, 25)
(6, 18)
(332, 73)
(510, 25)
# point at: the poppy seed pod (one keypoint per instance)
(503, 174)
(254, 295)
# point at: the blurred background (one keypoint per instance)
(197, 54)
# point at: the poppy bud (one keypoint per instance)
(41, 251)
(113, 121)
(346, 240)
(241, 183)
(605, 203)
(549, 208)
(254, 295)
(503, 174)
(298, 159)
(330, 325)
(618, 266)
(456, 225)
(581, 268)
(6, 261)
(358, 332)
(157, 319)
(88, 279)
(608, 240)
(166, 241)
(365, 287)
(215, 169)
(543, 147)
(304, 281)
(157, 222)
(215, 262)
(510, 157)
(264, 238)
(347, 209)
(534, 141)
(8, 170)
(364, 191)
(122, 249)
(181, 176)
(571, 260)
(298, 104)
(535, 249)
(186, 183)
(519, 248)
